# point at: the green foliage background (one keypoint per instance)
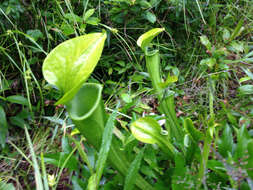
(207, 45)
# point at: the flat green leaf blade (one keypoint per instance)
(6, 186)
(17, 99)
(133, 171)
(248, 72)
(92, 185)
(69, 64)
(243, 139)
(150, 17)
(88, 14)
(105, 146)
(205, 41)
(250, 159)
(246, 89)
(226, 142)
(145, 39)
(192, 131)
(58, 159)
(3, 127)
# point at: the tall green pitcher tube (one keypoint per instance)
(87, 112)
(167, 103)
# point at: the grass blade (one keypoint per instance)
(20, 152)
(44, 173)
(237, 29)
(200, 11)
(82, 153)
(105, 146)
(38, 179)
(133, 171)
(62, 167)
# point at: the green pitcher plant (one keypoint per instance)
(67, 67)
(166, 103)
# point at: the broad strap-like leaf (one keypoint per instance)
(192, 131)
(133, 171)
(6, 186)
(105, 146)
(70, 64)
(226, 142)
(249, 165)
(145, 39)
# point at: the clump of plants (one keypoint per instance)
(186, 149)
(160, 99)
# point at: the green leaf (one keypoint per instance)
(133, 171)
(88, 14)
(105, 146)
(66, 148)
(150, 17)
(249, 165)
(246, 89)
(179, 173)
(226, 35)
(204, 40)
(78, 183)
(230, 116)
(18, 100)
(92, 184)
(210, 62)
(6, 186)
(243, 139)
(70, 64)
(67, 29)
(237, 46)
(3, 127)
(238, 29)
(145, 39)
(82, 153)
(169, 80)
(126, 98)
(192, 131)
(225, 143)
(93, 21)
(18, 121)
(144, 4)
(73, 18)
(248, 72)
(57, 159)
(249, 54)
(244, 79)
(35, 34)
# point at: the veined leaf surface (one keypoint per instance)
(70, 64)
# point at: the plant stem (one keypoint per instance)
(211, 98)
